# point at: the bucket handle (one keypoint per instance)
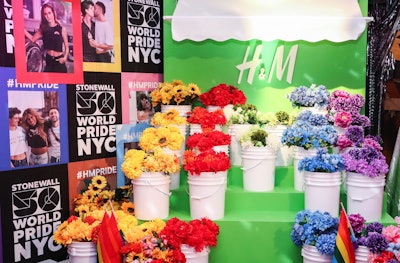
(249, 168)
(161, 191)
(342, 181)
(222, 184)
(362, 199)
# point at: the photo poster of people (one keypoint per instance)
(36, 114)
(53, 46)
(142, 36)
(6, 34)
(101, 27)
(94, 109)
(128, 136)
(37, 203)
(80, 175)
(136, 100)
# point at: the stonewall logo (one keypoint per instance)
(144, 34)
(36, 208)
(96, 110)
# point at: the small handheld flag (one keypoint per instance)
(344, 248)
(109, 241)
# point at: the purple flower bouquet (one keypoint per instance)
(365, 160)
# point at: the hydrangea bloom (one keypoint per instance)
(366, 160)
(322, 162)
(314, 96)
(310, 131)
(316, 229)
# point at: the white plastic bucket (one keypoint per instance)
(151, 196)
(365, 195)
(300, 153)
(195, 257)
(212, 108)
(175, 180)
(235, 131)
(207, 195)
(362, 253)
(258, 165)
(284, 155)
(312, 255)
(184, 110)
(221, 148)
(82, 252)
(322, 192)
(175, 177)
(183, 128)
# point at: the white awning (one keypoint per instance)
(288, 20)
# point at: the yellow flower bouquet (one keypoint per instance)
(167, 118)
(165, 136)
(175, 93)
(137, 162)
(85, 228)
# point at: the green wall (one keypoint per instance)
(267, 81)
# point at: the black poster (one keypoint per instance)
(6, 34)
(34, 202)
(93, 110)
(142, 36)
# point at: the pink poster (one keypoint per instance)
(136, 100)
(49, 41)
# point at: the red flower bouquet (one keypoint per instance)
(197, 233)
(206, 119)
(222, 95)
(206, 141)
(207, 161)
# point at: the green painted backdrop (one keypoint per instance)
(208, 63)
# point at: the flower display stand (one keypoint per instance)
(265, 218)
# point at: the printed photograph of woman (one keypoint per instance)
(54, 38)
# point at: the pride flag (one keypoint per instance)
(109, 241)
(344, 249)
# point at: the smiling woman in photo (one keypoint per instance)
(55, 40)
(36, 136)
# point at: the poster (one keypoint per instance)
(106, 36)
(128, 136)
(94, 109)
(37, 205)
(81, 173)
(53, 47)
(6, 34)
(136, 100)
(142, 36)
(48, 136)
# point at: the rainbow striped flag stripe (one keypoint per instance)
(344, 249)
(109, 241)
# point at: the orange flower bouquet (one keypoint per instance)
(207, 120)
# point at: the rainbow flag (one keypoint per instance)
(344, 248)
(109, 241)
